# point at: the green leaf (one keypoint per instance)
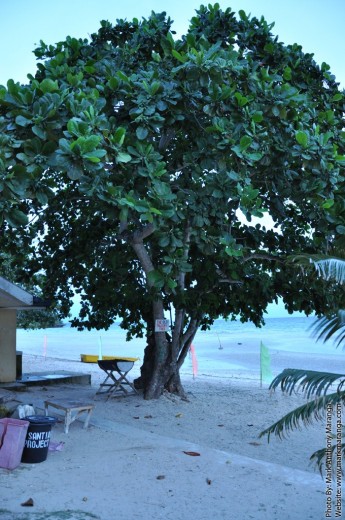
(94, 156)
(233, 251)
(155, 87)
(164, 241)
(245, 142)
(233, 175)
(243, 15)
(74, 80)
(156, 278)
(119, 135)
(122, 76)
(155, 211)
(74, 172)
(269, 47)
(179, 56)
(123, 157)
(17, 188)
(172, 284)
(41, 197)
(127, 201)
(275, 111)
(287, 73)
(255, 156)
(170, 39)
(162, 105)
(23, 157)
(84, 145)
(257, 117)
(302, 138)
(73, 127)
(113, 83)
(241, 100)
(156, 57)
(340, 230)
(328, 203)
(88, 144)
(48, 85)
(65, 146)
(37, 130)
(141, 206)
(141, 133)
(22, 121)
(16, 218)
(337, 97)
(90, 69)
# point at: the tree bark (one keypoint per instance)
(163, 356)
(160, 375)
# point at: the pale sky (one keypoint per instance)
(317, 25)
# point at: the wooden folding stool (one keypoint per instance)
(116, 381)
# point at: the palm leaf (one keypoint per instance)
(315, 384)
(311, 382)
(320, 455)
(304, 415)
(325, 328)
(330, 268)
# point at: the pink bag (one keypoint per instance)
(12, 440)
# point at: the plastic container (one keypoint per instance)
(12, 439)
(37, 438)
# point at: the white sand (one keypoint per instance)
(130, 463)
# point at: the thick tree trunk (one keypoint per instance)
(146, 369)
(156, 378)
(174, 385)
(163, 356)
(163, 373)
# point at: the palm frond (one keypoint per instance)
(306, 260)
(304, 415)
(312, 383)
(319, 457)
(327, 327)
(331, 268)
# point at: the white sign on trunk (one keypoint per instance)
(162, 325)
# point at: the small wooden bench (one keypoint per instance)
(72, 410)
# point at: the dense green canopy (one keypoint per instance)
(138, 158)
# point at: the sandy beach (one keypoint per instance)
(135, 460)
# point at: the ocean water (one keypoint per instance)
(228, 349)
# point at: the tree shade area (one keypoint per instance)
(133, 164)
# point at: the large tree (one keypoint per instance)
(138, 156)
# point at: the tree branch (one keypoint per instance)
(140, 234)
(187, 339)
(258, 256)
(186, 244)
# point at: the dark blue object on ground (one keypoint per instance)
(37, 438)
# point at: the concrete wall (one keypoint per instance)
(8, 325)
